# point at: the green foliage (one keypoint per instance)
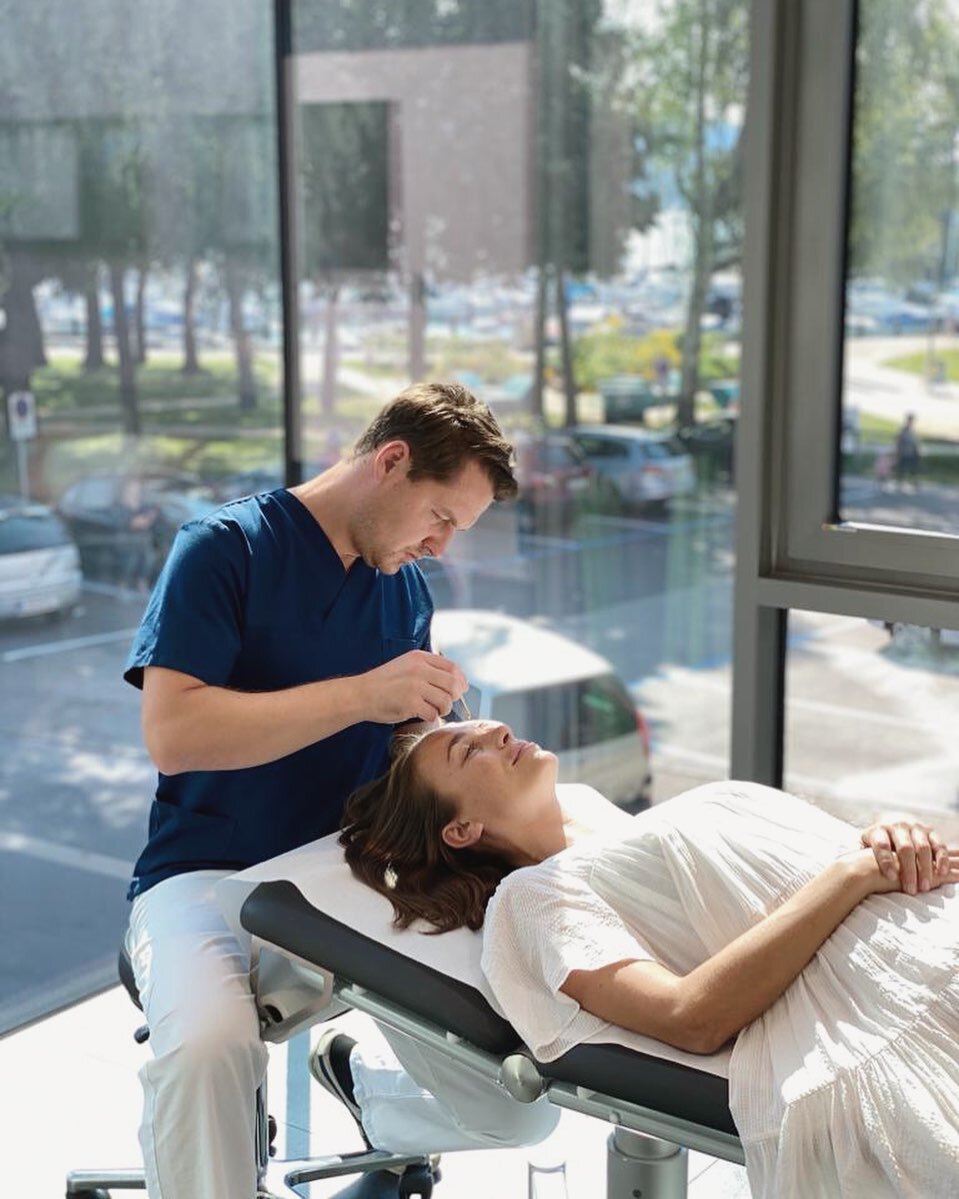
(918, 364)
(906, 120)
(63, 389)
(601, 355)
(207, 460)
(493, 362)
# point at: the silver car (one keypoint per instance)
(39, 564)
(644, 468)
(556, 692)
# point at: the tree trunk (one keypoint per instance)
(129, 408)
(191, 364)
(21, 340)
(140, 315)
(331, 351)
(539, 336)
(246, 382)
(91, 296)
(417, 327)
(566, 350)
(703, 238)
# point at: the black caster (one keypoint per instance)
(416, 1180)
(97, 1193)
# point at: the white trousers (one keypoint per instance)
(197, 1133)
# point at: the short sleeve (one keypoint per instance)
(541, 925)
(193, 622)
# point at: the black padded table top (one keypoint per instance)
(278, 913)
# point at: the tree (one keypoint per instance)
(688, 81)
(344, 207)
(904, 142)
(113, 222)
(564, 36)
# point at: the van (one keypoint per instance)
(552, 690)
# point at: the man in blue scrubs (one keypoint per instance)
(286, 636)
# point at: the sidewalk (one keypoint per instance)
(889, 393)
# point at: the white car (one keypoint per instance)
(39, 564)
(554, 691)
(644, 468)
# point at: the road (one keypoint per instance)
(868, 722)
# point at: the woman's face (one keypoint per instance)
(490, 775)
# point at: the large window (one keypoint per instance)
(541, 200)
(139, 364)
(900, 430)
(564, 216)
(869, 718)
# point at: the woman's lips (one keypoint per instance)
(521, 749)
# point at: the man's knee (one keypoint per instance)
(214, 1043)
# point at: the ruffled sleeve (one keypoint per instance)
(543, 923)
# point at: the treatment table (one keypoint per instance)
(324, 943)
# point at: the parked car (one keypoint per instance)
(555, 483)
(124, 524)
(643, 468)
(552, 690)
(39, 563)
(920, 637)
(712, 444)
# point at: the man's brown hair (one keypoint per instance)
(445, 426)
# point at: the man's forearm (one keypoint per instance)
(214, 728)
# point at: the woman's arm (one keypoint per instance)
(702, 1010)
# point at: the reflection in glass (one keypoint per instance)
(899, 438)
(139, 307)
(534, 199)
(531, 198)
(870, 718)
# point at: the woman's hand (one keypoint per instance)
(911, 856)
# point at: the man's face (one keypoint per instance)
(405, 521)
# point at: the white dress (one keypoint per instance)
(849, 1084)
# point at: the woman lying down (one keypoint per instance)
(731, 911)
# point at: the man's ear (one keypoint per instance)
(461, 834)
(390, 456)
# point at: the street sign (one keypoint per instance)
(21, 415)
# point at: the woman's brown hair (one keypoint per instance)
(392, 835)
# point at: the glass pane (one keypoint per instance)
(899, 437)
(139, 316)
(870, 718)
(543, 201)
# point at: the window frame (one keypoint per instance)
(792, 551)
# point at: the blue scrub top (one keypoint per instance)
(255, 598)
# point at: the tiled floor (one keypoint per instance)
(71, 1099)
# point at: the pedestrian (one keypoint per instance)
(907, 453)
(287, 635)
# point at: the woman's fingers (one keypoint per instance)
(940, 854)
(911, 852)
(878, 839)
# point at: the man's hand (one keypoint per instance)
(909, 853)
(416, 685)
